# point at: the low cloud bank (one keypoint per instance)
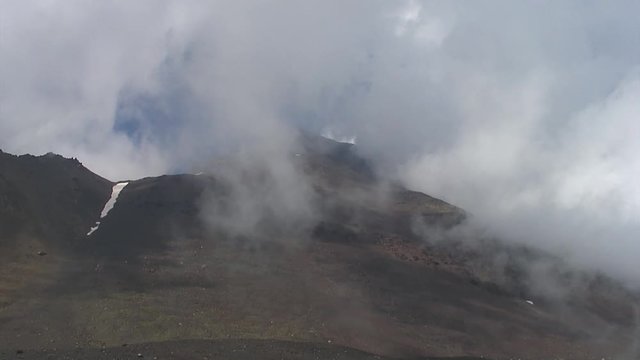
(525, 114)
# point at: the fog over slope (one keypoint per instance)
(525, 114)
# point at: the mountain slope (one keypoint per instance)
(162, 267)
(46, 204)
(48, 196)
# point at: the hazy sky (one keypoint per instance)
(527, 114)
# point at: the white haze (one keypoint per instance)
(526, 114)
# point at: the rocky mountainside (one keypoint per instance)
(48, 196)
(170, 271)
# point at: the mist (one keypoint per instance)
(524, 114)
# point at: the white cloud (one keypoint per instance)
(522, 112)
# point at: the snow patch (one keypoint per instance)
(529, 302)
(115, 192)
(329, 134)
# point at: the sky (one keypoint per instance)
(526, 114)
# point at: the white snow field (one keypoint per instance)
(115, 192)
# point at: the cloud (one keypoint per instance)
(522, 113)
(63, 66)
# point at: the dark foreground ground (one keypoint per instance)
(202, 349)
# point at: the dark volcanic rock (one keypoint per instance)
(48, 197)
